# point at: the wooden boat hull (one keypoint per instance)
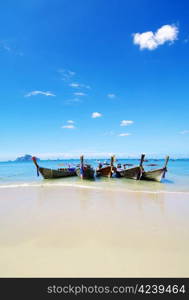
(105, 171)
(132, 173)
(85, 173)
(51, 173)
(155, 175)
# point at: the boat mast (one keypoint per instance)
(111, 165)
(82, 160)
(142, 159)
(36, 164)
(141, 166)
(81, 166)
(165, 165)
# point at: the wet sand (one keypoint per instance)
(75, 232)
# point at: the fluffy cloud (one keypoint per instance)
(96, 115)
(149, 40)
(124, 134)
(126, 122)
(35, 93)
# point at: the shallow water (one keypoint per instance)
(19, 174)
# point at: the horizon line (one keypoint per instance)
(99, 158)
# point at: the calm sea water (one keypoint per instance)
(24, 174)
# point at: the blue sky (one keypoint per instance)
(64, 60)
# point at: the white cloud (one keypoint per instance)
(79, 94)
(74, 85)
(184, 132)
(124, 134)
(35, 93)
(66, 74)
(96, 115)
(69, 126)
(126, 122)
(111, 96)
(149, 40)
(79, 85)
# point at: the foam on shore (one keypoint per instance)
(89, 187)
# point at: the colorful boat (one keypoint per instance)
(85, 171)
(54, 173)
(157, 174)
(132, 173)
(106, 170)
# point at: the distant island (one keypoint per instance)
(25, 158)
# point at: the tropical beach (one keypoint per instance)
(94, 138)
(108, 227)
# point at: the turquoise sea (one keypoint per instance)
(20, 174)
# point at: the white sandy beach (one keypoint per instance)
(55, 231)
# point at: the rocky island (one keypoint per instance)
(25, 158)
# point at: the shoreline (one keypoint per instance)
(83, 185)
(76, 232)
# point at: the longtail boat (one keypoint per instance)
(132, 173)
(85, 171)
(156, 174)
(106, 170)
(54, 173)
